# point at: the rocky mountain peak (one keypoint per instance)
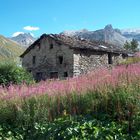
(24, 39)
(108, 27)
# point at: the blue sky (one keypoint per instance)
(54, 16)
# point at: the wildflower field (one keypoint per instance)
(103, 104)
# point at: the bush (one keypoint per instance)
(10, 73)
(72, 128)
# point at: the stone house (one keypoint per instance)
(59, 56)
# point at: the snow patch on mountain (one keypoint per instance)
(131, 31)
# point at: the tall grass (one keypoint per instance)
(113, 92)
(132, 60)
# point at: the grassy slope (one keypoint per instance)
(9, 50)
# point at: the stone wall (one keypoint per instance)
(48, 54)
(86, 60)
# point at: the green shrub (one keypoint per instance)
(73, 128)
(10, 73)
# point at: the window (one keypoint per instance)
(60, 59)
(51, 46)
(124, 56)
(65, 74)
(110, 59)
(39, 76)
(59, 43)
(53, 75)
(34, 60)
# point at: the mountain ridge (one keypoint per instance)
(11, 48)
(108, 34)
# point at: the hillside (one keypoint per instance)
(9, 50)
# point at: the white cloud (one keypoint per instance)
(31, 28)
(16, 34)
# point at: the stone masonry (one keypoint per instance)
(52, 56)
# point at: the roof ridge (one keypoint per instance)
(76, 42)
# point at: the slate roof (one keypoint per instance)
(79, 43)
